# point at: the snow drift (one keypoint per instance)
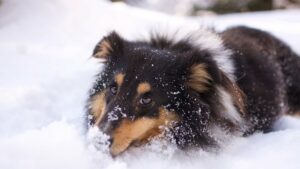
(46, 71)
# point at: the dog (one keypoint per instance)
(192, 89)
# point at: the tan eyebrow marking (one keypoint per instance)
(143, 88)
(119, 78)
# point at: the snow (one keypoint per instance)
(46, 71)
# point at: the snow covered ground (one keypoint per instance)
(46, 71)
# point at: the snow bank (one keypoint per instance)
(46, 72)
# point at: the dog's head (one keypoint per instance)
(148, 87)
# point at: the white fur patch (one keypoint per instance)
(205, 39)
(208, 40)
(229, 112)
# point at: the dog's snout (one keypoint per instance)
(106, 127)
(112, 117)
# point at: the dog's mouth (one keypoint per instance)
(117, 149)
(140, 132)
(133, 135)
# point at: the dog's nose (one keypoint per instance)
(106, 127)
(110, 141)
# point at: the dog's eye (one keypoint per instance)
(145, 100)
(113, 89)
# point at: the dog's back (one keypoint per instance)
(268, 68)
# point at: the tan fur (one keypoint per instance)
(104, 50)
(143, 88)
(199, 79)
(238, 96)
(140, 130)
(119, 78)
(98, 107)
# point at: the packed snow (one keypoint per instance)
(46, 71)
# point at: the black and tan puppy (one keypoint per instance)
(192, 89)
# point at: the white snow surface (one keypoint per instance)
(46, 71)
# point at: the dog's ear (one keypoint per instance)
(201, 78)
(198, 78)
(109, 46)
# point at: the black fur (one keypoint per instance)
(265, 69)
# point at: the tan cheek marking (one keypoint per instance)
(199, 78)
(140, 130)
(98, 107)
(104, 50)
(143, 88)
(119, 78)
